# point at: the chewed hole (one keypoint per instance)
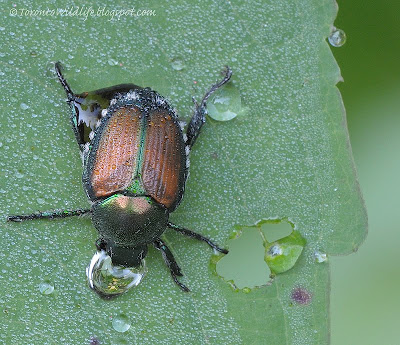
(258, 252)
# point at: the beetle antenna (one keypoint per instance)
(58, 68)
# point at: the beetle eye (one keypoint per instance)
(110, 281)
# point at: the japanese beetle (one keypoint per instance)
(135, 165)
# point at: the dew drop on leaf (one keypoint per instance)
(121, 323)
(337, 38)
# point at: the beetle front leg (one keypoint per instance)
(199, 116)
(48, 215)
(170, 262)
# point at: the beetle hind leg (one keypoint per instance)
(170, 262)
(196, 236)
(199, 116)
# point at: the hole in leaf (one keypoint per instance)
(256, 252)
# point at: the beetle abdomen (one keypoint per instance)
(117, 153)
(164, 159)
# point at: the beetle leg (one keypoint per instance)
(197, 236)
(48, 215)
(68, 91)
(199, 116)
(74, 102)
(170, 262)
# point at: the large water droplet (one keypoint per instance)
(177, 64)
(110, 281)
(121, 323)
(46, 288)
(225, 104)
(337, 37)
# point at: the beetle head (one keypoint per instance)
(122, 256)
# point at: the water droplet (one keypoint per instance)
(283, 254)
(112, 62)
(337, 37)
(110, 281)
(121, 323)
(94, 341)
(40, 201)
(19, 175)
(46, 288)
(320, 257)
(177, 64)
(24, 106)
(225, 104)
(275, 250)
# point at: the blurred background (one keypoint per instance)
(365, 300)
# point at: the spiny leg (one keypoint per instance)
(48, 215)
(197, 236)
(199, 117)
(68, 91)
(80, 119)
(170, 262)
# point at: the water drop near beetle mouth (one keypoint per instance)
(110, 281)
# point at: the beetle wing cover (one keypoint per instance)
(117, 152)
(164, 160)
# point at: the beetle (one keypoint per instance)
(135, 164)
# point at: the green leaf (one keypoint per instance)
(286, 156)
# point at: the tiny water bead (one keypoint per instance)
(178, 64)
(46, 288)
(24, 106)
(121, 323)
(320, 257)
(275, 250)
(337, 38)
(225, 104)
(110, 281)
(112, 62)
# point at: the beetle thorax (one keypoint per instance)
(129, 221)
